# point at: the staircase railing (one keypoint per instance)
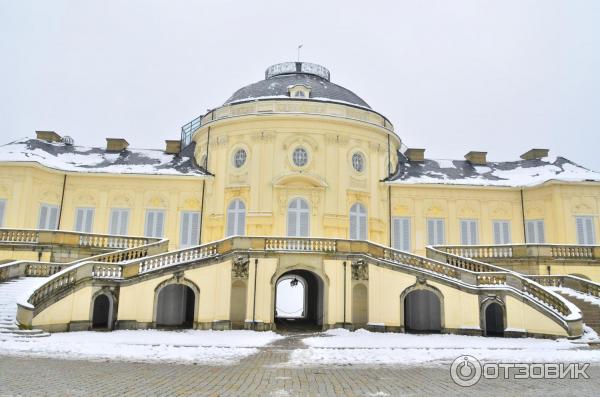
(441, 264)
(555, 251)
(567, 281)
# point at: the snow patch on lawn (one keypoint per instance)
(189, 346)
(362, 347)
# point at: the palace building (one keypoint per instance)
(297, 179)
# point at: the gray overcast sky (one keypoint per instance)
(500, 76)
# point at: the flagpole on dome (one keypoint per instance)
(300, 46)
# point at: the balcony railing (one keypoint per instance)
(554, 251)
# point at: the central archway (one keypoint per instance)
(299, 303)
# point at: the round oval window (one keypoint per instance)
(300, 157)
(358, 162)
(239, 158)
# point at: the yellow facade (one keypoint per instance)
(350, 155)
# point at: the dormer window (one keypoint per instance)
(299, 91)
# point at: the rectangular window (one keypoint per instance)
(2, 212)
(535, 231)
(118, 221)
(189, 229)
(502, 232)
(84, 219)
(155, 222)
(468, 232)
(401, 233)
(48, 217)
(435, 231)
(585, 230)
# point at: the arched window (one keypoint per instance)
(298, 218)
(236, 218)
(358, 222)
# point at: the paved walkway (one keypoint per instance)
(263, 374)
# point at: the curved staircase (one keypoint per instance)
(590, 311)
(10, 292)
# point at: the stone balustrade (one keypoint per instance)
(19, 236)
(300, 244)
(491, 278)
(107, 271)
(568, 281)
(554, 251)
(177, 257)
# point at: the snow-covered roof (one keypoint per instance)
(59, 156)
(508, 173)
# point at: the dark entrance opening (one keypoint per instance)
(299, 301)
(101, 312)
(422, 312)
(494, 320)
(175, 307)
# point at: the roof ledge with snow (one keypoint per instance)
(63, 157)
(522, 173)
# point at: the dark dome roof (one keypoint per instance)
(280, 77)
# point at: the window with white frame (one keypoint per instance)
(298, 224)
(189, 232)
(585, 230)
(534, 231)
(118, 221)
(401, 233)
(2, 211)
(236, 218)
(501, 231)
(358, 222)
(84, 219)
(435, 231)
(48, 218)
(155, 223)
(469, 234)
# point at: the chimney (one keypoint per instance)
(116, 144)
(173, 146)
(414, 154)
(49, 136)
(476, 158)
(535, 154)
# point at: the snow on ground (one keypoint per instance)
(577, 294)
(361, 347)
(189, 346)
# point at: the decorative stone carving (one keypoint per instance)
(239, 268)
(360, 270)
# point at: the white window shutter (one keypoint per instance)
(541, 238)
(406, 234)
(195, 229)
(431, 232)
(441, 238)
(79, 220)
(43, 217)
(464, 232)
(184, 230)
(160, 221)
(124, 222)
(292, 221)
(506, 233)
(580, 230)
(497, 233)
(114, 222)
(590, 232)
(149, 224)
(396, 230)
(530, 233)
(53, 220)
(474, 233)
(304, 224)
(89, 220)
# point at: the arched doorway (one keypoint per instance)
(360, 306)
(299, 301)
(175, 306)
(494, 320)
(102, 313)
(238, 304)
(422, 311)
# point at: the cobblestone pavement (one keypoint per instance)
(259, 375)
